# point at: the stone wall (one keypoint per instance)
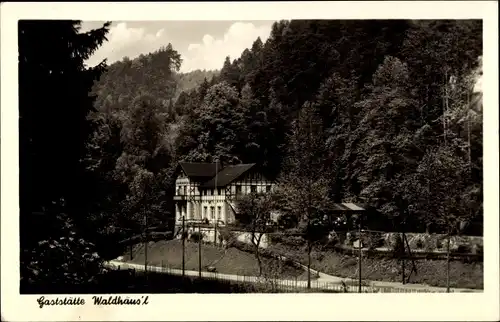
(241, 236)
(433, 242)
(418, 241)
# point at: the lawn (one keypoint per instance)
(226, 261)
(429, 271)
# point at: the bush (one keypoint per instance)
(349, 239)
(293, 240)
(399, 247)
(439, 243)
(420, 244)
(196, 237)
(477, 249)
(375, 240)
(463, 249)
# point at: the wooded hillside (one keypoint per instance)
(387, 107)
(392, 99)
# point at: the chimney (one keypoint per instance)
(218, 164)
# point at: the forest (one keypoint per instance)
(381, 113)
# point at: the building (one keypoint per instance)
(208, 192)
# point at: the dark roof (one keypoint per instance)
(228, 175)
(198, 169)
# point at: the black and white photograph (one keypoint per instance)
(264, 156)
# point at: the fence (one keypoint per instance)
(269, 284)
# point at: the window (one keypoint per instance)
(212, 212)
(205, 212)
(219, 212)
(268, 188)
(238, 190)
(185, 189)
(212, 192)
(219, 191)
(204, 192)
(253, 188)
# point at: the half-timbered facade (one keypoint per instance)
(208, 192)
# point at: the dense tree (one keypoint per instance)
(214, 128)
(379, 112)
(385, 93)
(303, 188)
(131, 148)
(54, 86)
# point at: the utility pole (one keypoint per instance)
(215, 202)
(145, 242)
(360, 252)
(403, 252)
(199, 250)
(448, 262)
(183, 245)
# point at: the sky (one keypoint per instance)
(202, 44)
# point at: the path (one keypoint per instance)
(324, 282)
(326, 278)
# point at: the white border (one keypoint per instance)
(436, 307)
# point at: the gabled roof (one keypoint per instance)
(228, 175)
(198, 169)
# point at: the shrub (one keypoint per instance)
(293, 240)
(196, 237)
(332, 243)
(351, 262)
(399, 247)
(463, 249)
(375, 240)
(420, 244)
(477, 249)
(439, 243)
(349, 239)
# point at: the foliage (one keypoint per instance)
(65, 257)
(187, 82)
(399, 246)
(384, 94)
(54, 83)
(375, 112)
(131, 148)
(254, 212)
(196, 237)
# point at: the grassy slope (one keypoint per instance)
(232, 261)
(431, 272)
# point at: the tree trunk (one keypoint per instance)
(445, 106)
(259, 262)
